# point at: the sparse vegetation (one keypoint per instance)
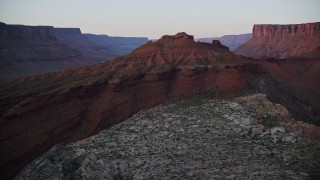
(199, 137)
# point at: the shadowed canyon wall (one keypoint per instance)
(28, 50)
(75, 39)
(84, 110)
(298, 93)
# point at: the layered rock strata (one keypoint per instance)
(283, 41)
(75, 39)
(28, 50)
(40, 111)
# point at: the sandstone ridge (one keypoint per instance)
(181, 42)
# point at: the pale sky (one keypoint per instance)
(154, 18)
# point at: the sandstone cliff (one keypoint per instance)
(283, 41)
(20, 31)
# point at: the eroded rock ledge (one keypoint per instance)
(194, 138)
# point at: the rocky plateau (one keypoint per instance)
(197, 138)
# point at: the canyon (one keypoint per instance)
(89, 99)
(29, 50)
(40, 111)
(76, 40)
(283, 41)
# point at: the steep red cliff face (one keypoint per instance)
(309, 29)
(283, 41)
(34, 123)
(39, 111)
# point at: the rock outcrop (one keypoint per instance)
(217, 44)
(197, 138)
(181, 49)
(283, 41)
(119, 45)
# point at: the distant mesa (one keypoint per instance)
(29, 50)
(75, 39)
(21, 31)
(118, 45)
(67, 31)
(283, 41)
(231, 41)
(267, 30)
